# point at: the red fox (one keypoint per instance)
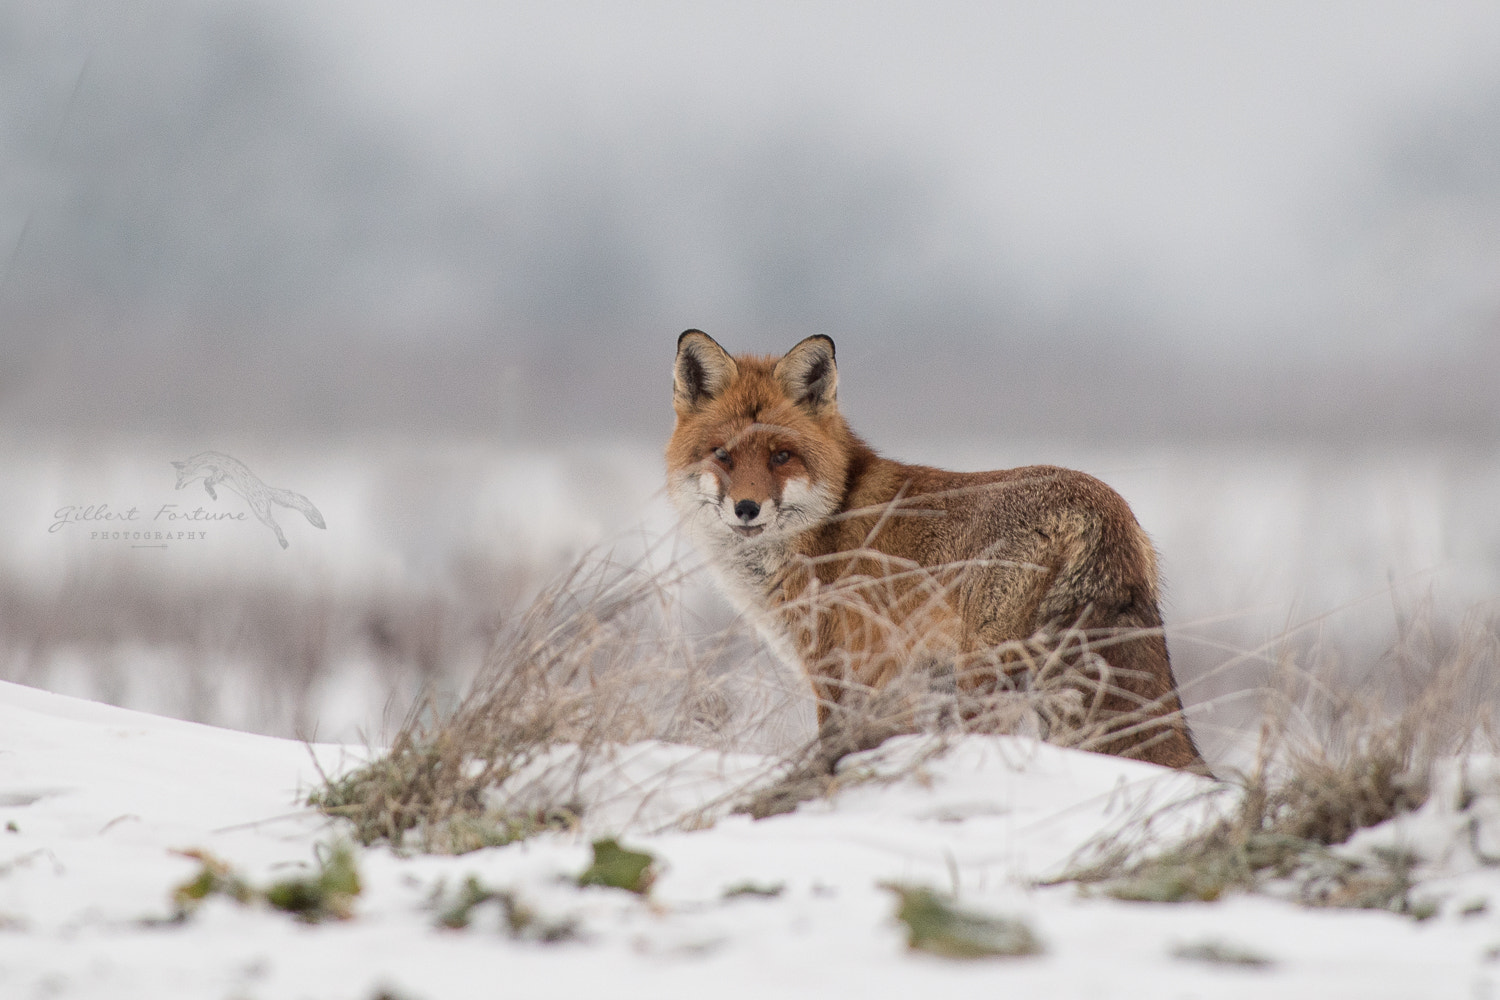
(872, 575)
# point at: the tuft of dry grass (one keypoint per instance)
(601, 658)
(1332, 759)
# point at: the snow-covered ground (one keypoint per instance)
(97, 803)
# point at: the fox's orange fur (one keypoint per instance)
(862, 570)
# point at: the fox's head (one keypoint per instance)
(760, 449)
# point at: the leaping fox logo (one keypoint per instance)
(215, 468)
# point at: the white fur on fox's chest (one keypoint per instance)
(744, 573)
(743, 567)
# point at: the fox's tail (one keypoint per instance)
(296, 501)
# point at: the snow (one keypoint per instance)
(103, 799)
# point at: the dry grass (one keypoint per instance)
(601, 658)
(1332, 758)
(607, 656)
(900, 670)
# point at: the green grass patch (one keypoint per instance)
(1221, 953)
(327, 894)
(938, 925)
(519, 921)
(617, 867)
(754, 889)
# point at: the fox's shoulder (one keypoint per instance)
(880, 475)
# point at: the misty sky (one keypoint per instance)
(1194, 161)
(350, 207)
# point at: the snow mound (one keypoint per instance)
(97, 806)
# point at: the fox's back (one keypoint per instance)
(941, 516)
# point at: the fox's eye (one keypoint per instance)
(721, 455)
(781, 458)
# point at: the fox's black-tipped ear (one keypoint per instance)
(703, 370)
(808, 375)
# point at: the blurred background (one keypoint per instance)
(426, 265)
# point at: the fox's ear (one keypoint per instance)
(703, 370)
(808, 375)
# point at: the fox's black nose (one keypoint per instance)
(746, 510)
